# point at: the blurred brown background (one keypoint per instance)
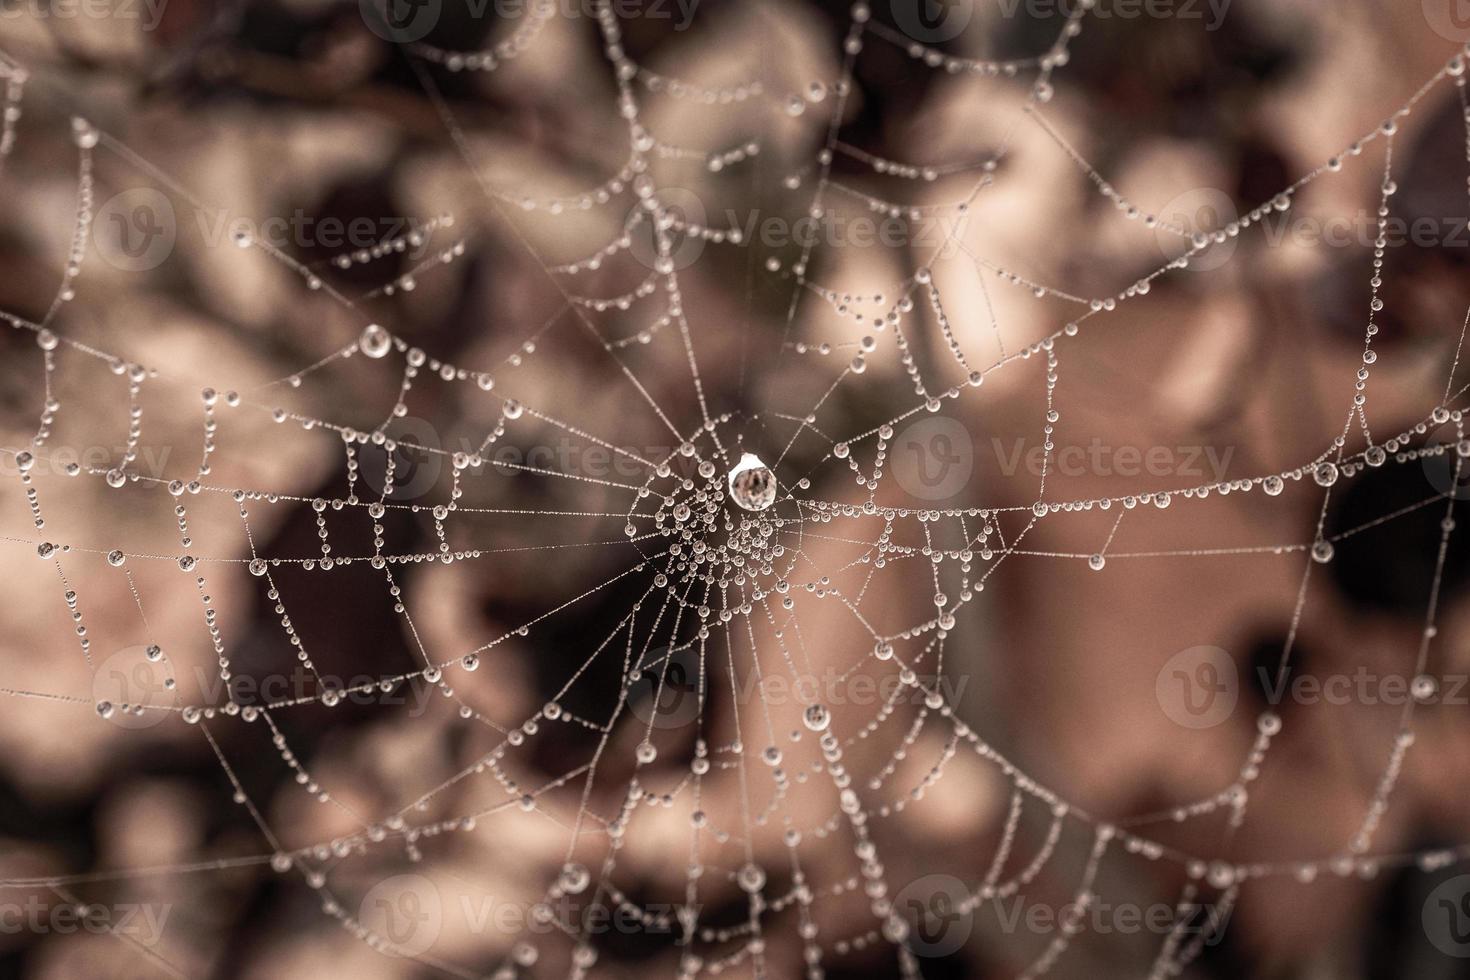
(224, 115)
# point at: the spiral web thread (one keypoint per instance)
(714, 576)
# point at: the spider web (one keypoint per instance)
(668, 729)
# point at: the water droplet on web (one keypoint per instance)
(375, 341)
(574, 879)
(1325, 474)
(752, 484)
(83, 133)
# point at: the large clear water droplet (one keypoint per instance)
(375, 341)
(752, 484)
